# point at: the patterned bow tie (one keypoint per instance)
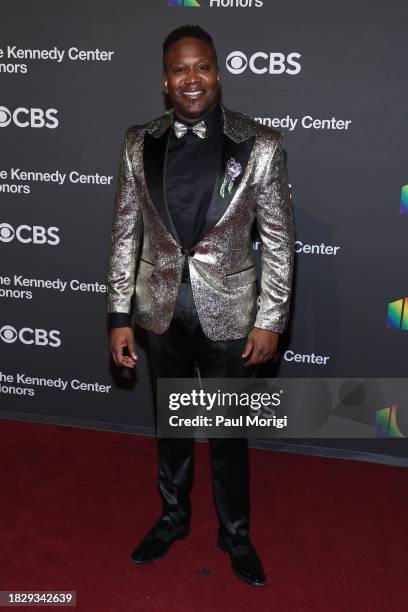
(200, 129)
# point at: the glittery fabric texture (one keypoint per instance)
(146, 260)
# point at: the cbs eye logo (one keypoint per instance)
(8, 334)
(7, 232)
(260, 63)
(35, 234)
(29, 117)
(5, 116)
(236, 62)
(28, 335)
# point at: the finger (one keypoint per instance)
(255, 357)
(248, 348)
(131, 347)
(119, 357)
(128, 362)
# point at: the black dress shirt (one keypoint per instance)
(190, 173)
(191, 170)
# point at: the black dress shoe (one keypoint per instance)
(155, 545)
(245, 562)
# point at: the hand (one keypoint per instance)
(262, 345)
(120, 338)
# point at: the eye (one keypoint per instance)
(205, 67)
(178, 69)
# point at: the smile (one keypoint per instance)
(193, 94)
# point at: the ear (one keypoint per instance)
(165, 84)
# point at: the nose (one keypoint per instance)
(192, 76)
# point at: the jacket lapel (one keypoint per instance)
(154, 161)
(237, 144)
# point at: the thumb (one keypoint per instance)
(131, 347)
(248, 347)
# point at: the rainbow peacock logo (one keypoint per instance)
(386, 425)
(397, 314)
(183, 3)
(404, 200)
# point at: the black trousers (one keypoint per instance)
(174, 354)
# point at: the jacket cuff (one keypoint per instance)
(279, 329)
(271, 322)
(119, 319)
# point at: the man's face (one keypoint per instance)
(191, 77)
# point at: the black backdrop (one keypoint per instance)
(74, 76)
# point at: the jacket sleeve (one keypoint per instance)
(124, 242)
(276, 230)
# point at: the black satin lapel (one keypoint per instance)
(154, 161)
(240, 151)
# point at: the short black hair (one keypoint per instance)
(193, 31)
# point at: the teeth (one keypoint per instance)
(192, 94)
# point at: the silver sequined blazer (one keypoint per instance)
(146, 259)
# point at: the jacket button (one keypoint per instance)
(187, 252)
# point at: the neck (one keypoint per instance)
(200, 117)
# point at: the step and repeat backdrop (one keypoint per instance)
(74, 76)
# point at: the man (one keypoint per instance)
(191, 185)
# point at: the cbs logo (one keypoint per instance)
(29, 117)
(260, 63)
(27, 335)
(36, 234)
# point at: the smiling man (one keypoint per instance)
(192, 184)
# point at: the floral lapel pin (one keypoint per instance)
(232, 171)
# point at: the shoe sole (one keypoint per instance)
(179, 537)
(255, 584)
